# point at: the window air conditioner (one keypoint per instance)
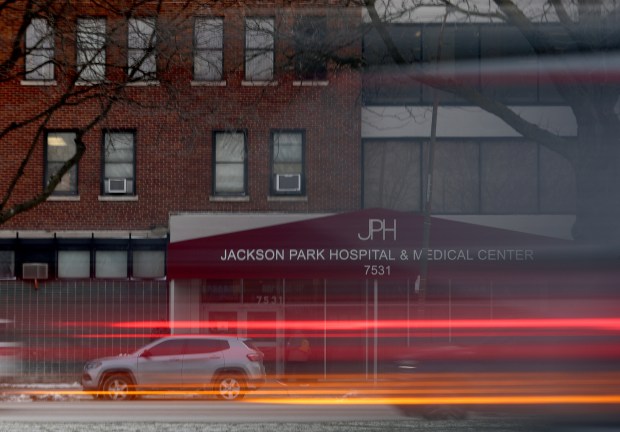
(288, 182)
(116, 186)
(34, 271)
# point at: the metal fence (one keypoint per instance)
(61, 324)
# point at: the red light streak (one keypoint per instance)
(582, 324)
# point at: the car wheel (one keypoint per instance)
(230, 387)
(117, 387)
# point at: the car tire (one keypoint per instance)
(230, 387)
(117, 387)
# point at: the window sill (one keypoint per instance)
(214, 198)
(89, 83)
(63, 198)
(36, 83)
(195, 83)
(143, 83)
(310, 83)
(118, 198)
(287, 198)
(259, 83)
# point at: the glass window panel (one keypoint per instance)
(509, 177)
(149, 264)
(392, 177)
(39, 34)
(141, 42)
(39, 65)
(119, 171)
(111, 264)
(91, 65)
(259, 48)
(230, 147)
(91, 39)
(259, 65)
(456, 181)
(287, 147)
(209, 33)
(7, 264)
(260, 33)
(208, 65)
(74, 264)
(141, 64)
(557, 183)
(60, 148)
(229, 178)
(141, 33)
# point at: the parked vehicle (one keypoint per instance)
(228, 366)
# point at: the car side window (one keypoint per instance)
(168, 348)
(205, 346)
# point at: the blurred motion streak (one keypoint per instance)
(479, 388)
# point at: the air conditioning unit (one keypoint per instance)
(34, 271)
(288, 182)
(116, 185)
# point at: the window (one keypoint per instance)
(39, 50)
(205, 346)
(7, 264)
(259, 49)
(310, 49)
(141, 49)
(119, 163)
(230, 163)
(91, 41)
(509, 177)
(287, 162)
(484, 176)
(111, 264)
(174, 347)
(60, 147)
(208, 49)
(149, 264)
(74, 264)
(392, 175)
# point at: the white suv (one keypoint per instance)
(228, 366)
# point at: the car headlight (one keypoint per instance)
(92, 365)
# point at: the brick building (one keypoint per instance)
(218, 107)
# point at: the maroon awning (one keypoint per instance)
(363, 244)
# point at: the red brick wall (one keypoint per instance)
(174, 123)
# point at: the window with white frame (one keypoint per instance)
(230, 163)
(287, 163)
(39, 60)
(91, 43)
(141, 43)
(119, 163)
(310, 50)
(259, 49)
(59, 148)
(208, 49)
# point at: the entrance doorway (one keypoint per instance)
(263, 326)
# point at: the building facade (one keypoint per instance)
(208, 107)
(243, 175)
